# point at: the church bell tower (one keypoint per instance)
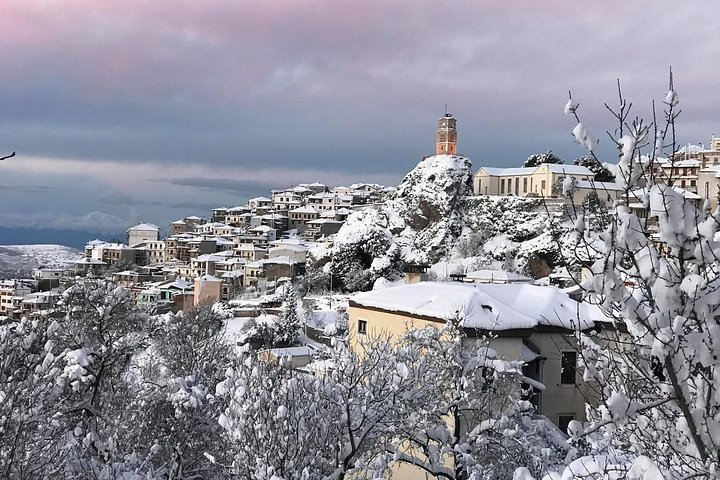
(446, 143)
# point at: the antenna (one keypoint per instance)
(446, 109)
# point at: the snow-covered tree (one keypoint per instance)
(602, 174)
(288, 328)
(293, 425)
(539, 158)
(174, 410)
(658, 375)
(30, 364)
(364, 251)
(469, 421)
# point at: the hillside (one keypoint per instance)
(17, 261)
(433, 218)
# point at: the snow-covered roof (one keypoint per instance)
(260, 199)
(89, 261)
(233, 274)
(568, 169)
(263, 229)
(641, 193)
(238, 208)
(498, 172)
(250, 247)
(295, 247)
(209, 257)
(322, 195)
(179, 283)
(691, 148)
(283, 259)
(306, 209)
(712, 169)
(144, 226)
(484, 306)
(321, 221)
(291, 351)
(209, 278)
(497, 276)
(684, 164)
(232, 261)
(589, 184)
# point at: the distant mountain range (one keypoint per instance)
(70, 238)
(18, 261)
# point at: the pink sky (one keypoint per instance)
(353, 89)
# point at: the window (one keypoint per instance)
(362, 326)
(502, 185)
(568, 368)
(564, 421)
(542, 186)
(525, 185)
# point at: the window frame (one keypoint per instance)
(565, 364)
(362, 326)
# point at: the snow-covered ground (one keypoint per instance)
(19, 260)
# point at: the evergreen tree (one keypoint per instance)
(538, 158)
(602, 174)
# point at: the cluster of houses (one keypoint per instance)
(258, 244)
(22, 297)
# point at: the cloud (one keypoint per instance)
(160, 102)
(242, 187)
(94, 221)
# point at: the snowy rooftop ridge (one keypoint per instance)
(498, 171)
(553, 167)
(494, 307)
(600, 186)
(144, 226)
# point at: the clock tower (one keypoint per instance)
(446, 143)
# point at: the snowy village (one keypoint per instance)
(550, 316)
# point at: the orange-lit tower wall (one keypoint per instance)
(446, 136)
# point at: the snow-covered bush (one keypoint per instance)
(658, 376)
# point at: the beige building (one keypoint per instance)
(708, 181)
(10, 289)
(155, 251)
(299, 216)
(144, 232)
(207, 288)
(607, 192)
(112, 253)
(530, 323)
(545, 180)
(693, 168)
